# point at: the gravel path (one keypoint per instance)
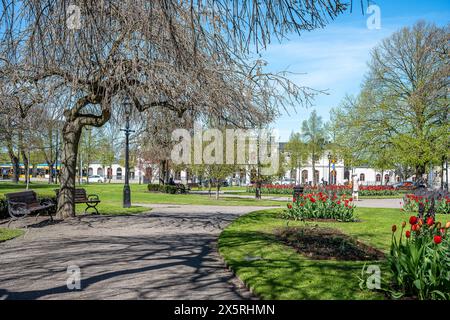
(168, 253)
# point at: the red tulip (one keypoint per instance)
(437, 239)
(408, 234)
(289, 206)
(430, 221)
(413, 220)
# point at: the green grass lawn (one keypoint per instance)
(111, 197)
(8, 234)
(275, 271)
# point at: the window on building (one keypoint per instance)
(119, 173)
(347, 175)
(90, 172)
(378, 178)
(362, 177)
(398, 178)
(177, 175)
(386, 178)
(100, 172)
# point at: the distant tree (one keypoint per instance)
(314, 135)
(402, 112)
(297, 151)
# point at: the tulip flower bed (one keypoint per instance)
(419, 260)
(320, 206)
(330, 189)
(412, 202)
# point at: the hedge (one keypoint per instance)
(166, 188)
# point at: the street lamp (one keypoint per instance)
(329, 168)
(126, 187)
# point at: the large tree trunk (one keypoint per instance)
(50, 173)
(16, 169)
(14, 160)
(66, 198)
(420, 171)
(25, 165)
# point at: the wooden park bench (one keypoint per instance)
(91, 200)
(23, 203)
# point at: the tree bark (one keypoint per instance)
(420, 171)
(50, 173)
(25, 165)
(66, 197)
(16, 169)
(217, 191)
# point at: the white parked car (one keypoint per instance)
(94, 179)
(285, 181)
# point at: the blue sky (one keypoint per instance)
(335, 58)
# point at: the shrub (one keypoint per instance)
(3, 208)
(320, 206)
(153, 187)
(167, 188)
(419, 261)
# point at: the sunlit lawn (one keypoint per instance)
(282, 273)
(7, 234)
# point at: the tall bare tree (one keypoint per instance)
(180, 55)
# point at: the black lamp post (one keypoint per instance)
(126, 187)
(329, 168)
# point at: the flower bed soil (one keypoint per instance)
(327, 244)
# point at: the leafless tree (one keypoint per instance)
(184, 56)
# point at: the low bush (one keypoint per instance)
(167, 188)
(153, 187)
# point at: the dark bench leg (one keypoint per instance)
(90, 206)
(48, 212)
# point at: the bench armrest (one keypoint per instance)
(47, 202)
(17, 209)
(93, 197)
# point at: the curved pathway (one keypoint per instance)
(167, 253)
